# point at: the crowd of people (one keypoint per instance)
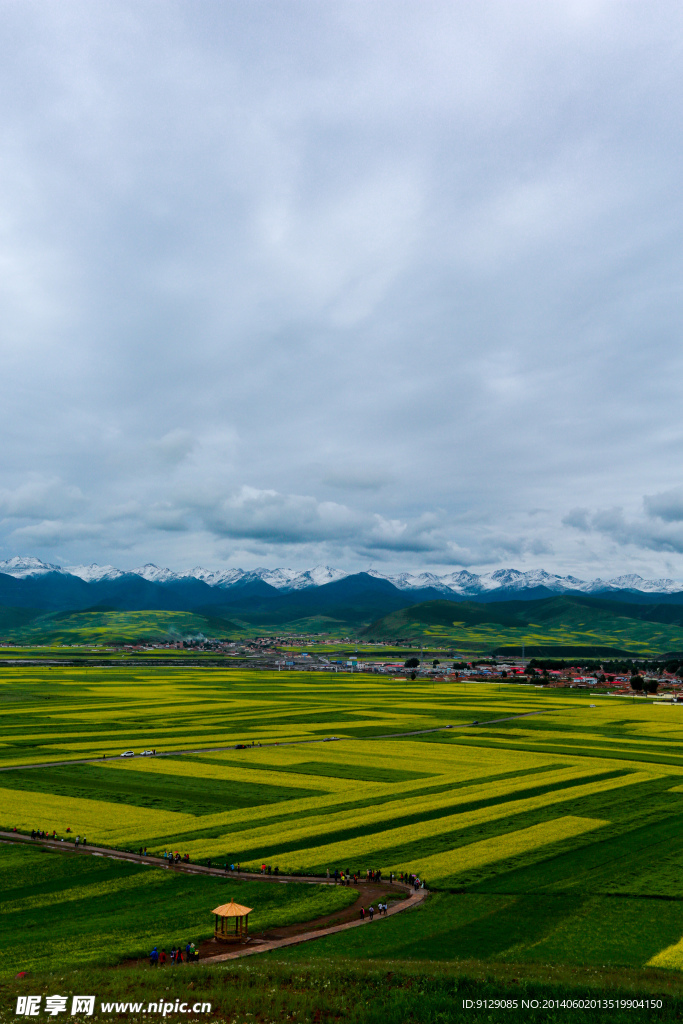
(414, 880)
(173, 857)
(342, 876)
(370, 912)
(346, 877)
(39, 833)
(178, 955)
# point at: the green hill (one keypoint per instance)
(99, 625)
(577, 624)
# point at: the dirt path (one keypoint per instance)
(398, 895)
(264, 946)
(287, 743)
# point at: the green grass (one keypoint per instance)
(180, 794)
(577, 624)
(27, 626)
(551, 843)
(380, 992)
(572, 931)
(62, 911)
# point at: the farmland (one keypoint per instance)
(107, 911)
(554, 838)
(27, 626)
(580, 624)
(557, 622)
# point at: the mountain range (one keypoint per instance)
(503, 583)
(39, 598)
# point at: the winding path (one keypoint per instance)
(412, 898)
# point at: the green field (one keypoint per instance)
(564, 624)
(570, 622)
(60, 909)
(551, 842)
(25, 626)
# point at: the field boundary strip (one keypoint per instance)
(151, 861)
(301, 742)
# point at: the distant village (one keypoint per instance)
(287, 652)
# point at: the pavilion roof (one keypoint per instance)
(232, 909)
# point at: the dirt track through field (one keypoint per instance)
(402, 897)
(290, 743)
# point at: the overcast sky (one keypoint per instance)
(365, 283)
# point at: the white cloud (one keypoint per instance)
(53, 533)
(342, 282)
(38, 497)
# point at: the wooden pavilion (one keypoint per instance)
(222, 931)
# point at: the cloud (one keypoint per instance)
(281, 518)
(314, 283)
(667, 505)
(660, 529)
(174, 446)
(357, 478)
(578, 518)
(37, 498)
(53, 533)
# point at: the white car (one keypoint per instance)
(128, 753)
(146, 753)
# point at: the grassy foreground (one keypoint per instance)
(553, 843)
(268, 991)
(62, 911)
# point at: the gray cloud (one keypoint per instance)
(667, 506)
(659, 529)
(578, 518)
(342, 282)
(38, 497)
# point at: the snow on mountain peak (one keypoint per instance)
(91, 573)
(461, 583)
(316, 577)
(153, 574)
(23, 566)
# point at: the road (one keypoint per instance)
(289, 743)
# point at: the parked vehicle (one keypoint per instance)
(128, 753)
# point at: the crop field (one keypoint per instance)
(553, 838)
(94, 910)
(645, 639)
(558, 622)
(80, 627)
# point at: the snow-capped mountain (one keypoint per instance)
(93, 572)
(22, 567)
(315, 577)
(461, 583)
(153, 574)
(634, 582)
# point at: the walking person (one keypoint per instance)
(362, 913)
(372, 912)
